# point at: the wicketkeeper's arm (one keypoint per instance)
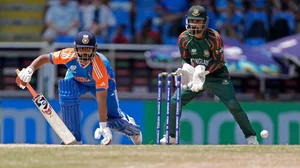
(183, 48)
(217, 55)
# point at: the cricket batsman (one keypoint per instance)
(202, 53)
(88, 71)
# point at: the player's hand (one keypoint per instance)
(200, 70)
(198, 79)
(24, 77)
(197, 84)
(187, 72)
(105, 132)
(184, 78)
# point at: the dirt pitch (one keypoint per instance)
(93, 156)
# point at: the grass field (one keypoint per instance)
(212, 156)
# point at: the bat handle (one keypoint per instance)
(29, 87)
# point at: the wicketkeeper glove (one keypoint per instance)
(187, 72)
(104, 131)
(198, 78)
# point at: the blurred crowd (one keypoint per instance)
(253, 22)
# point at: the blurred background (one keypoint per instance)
(139, 37)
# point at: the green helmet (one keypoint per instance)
(196, 12)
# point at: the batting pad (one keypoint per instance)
(69, 100)
(124, 126)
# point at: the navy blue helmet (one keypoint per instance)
(85, 39)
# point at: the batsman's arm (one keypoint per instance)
(102, 105)
(24, 76)
(101, 76)
(103, 129)
(58, 57)
(40, 61)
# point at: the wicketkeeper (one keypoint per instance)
(202, 53)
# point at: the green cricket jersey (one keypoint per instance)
(208, 51)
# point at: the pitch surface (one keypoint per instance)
(217, 156)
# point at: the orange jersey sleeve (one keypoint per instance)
(62, 56)
(100, 74)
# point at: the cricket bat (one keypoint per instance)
(51, 116)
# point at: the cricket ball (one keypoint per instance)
(264, 134)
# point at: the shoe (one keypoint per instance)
(164, 140)
(137, 139)
(252, 140)
(131, 120)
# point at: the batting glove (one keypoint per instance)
(24, 77)
(105, 132)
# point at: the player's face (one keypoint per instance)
(84, 55)
(196, 26)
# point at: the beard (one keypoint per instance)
(84, 58)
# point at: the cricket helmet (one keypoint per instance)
(85, 39)
(196, 12)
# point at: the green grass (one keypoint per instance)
(212, 156)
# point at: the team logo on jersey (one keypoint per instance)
(206, 53)
(73, 68)
(85, 39)
(102, 84)
(225, 82)
(194, 51)
(196, 12)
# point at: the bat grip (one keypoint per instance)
(29, 87)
